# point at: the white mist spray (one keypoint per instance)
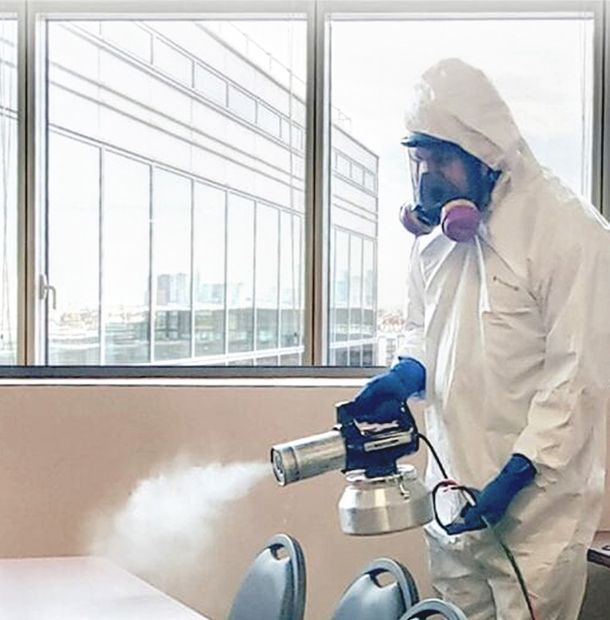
(167, 526)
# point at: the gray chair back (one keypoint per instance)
(274, 586)
(366, 598)
(433, 607)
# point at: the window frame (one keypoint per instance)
(31, 261)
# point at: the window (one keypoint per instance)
(291, 314)
(340, 290)
(267, 263)
(210, 234)
(357, 174)
(175, 185)
(268, 120)
(125, 257)
(74, 251)
(173, 62)
(284, 130)
(210, 85)
(171, 259)
(170, 203)
(240, 273)
(243, 105)
(343, 165)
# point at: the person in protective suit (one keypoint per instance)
(508, 332)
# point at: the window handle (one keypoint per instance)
(45, 289)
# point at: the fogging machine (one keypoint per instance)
(381, 495)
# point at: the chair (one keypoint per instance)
(434, 607)
(274, 586)
(366, 598)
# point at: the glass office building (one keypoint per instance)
(175, 200)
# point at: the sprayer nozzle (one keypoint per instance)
(307, 457)
(279, 471)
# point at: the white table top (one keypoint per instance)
(81, 588)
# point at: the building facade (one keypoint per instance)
(175, 202)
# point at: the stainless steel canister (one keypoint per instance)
(308, 457)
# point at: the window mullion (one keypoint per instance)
(26, 299)
(32, 219)
(600, 180)
(316, 230)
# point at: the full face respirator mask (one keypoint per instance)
(451, 188)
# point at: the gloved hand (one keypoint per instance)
(384, 394)
(493, 501)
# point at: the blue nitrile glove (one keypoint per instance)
(493, 501)
(405, 378)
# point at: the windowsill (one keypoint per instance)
(278, 382)
(301, 376)
(161, 382)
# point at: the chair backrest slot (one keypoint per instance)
(383, 590)
(274, 585)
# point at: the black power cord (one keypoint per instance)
(448, 483)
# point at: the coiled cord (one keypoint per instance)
(448, 483)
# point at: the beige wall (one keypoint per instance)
(67, 453)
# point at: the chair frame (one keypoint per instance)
(431, 607)
(297, 561)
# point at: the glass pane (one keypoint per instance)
(170, 60)
(242, 104)
(267, 262)
(357, 174)
(355, 288)
(341, 358)
(340, 287)
(290, 287)
(172, 265)
(367, 355)
(209, 270)
(125, 260)
(343, 166)
(156, 93)
(73, 261)
(240, 273)
(210, 85)
(547, 80)
(268, 120)
(8, 189)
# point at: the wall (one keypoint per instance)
(70, 452)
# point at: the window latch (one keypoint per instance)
(46, 290)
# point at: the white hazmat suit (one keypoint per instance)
(513, 328)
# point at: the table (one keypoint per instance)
(81, 588)
(599, 551)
